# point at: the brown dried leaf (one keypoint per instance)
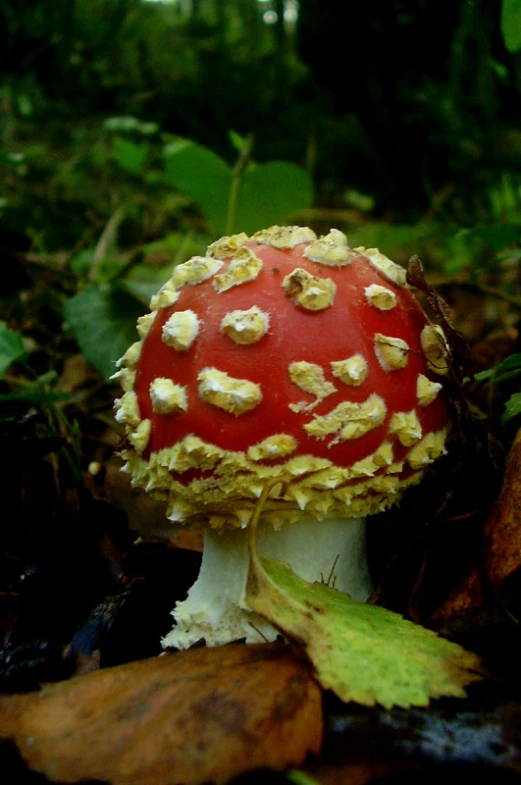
(498, 576)
(502, 533)
(76, 374)
(468, 597)
(205, 715)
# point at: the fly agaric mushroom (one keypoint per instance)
(286, 360)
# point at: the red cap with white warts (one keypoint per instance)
(283, 357)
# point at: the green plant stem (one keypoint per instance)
(180, 254)
(107, 238)
(232, 204)
(28, 384)
(238, 169)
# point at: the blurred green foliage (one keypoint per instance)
(511, 24)
(11, 348)
(508, 369)
(395, 100)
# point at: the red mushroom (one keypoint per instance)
(289, 360)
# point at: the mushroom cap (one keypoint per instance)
(289, 360)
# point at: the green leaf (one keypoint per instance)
(140, 290)
(504, 377)
(511, 24)
(237, 140)
(263, 195)
(298, 777)
(500, 237)
(499, 69)
(11, 348)
(127, 123)
(130, 124)
(103, 320)
(512, 408)
(362, 652)
(204, 176)
(11, 159)
(175, 247)
(269, 193)
(358, 201)
(36, 397)
(24, 105)
(509, 367)
(82, 261)
(129, 155)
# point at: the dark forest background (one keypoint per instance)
(411, 104)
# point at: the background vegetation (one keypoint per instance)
(409, 104)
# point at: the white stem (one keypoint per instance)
(331, 551)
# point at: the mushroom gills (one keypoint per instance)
(331, 551)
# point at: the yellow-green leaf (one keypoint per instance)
(364, 653)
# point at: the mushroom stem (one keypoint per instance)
(331, 551)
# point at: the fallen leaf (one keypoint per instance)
(364, 653)
(473, 603)
(502, 532)
(469, 596)
(204, 715)
(76, 373)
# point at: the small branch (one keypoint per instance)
(107, 237)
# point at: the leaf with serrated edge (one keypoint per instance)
(361, 652)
